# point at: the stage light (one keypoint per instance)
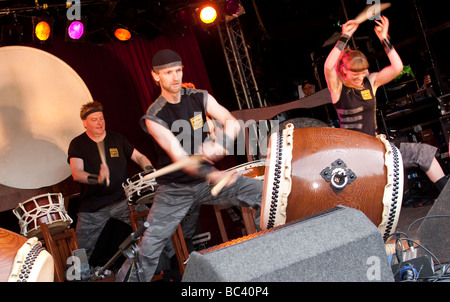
(122, 34)
(76, 30)
(208, 14)
(42, 29)
(232, 7)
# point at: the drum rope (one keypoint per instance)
(40, 211)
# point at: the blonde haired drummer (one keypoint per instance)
(100, 200)
(353, 89)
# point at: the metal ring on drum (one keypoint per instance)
(313, 169)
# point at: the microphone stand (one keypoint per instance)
(130, 250)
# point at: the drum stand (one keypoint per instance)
(130, 250)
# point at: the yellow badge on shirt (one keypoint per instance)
(366, 94)
(197, 121)
(113, 152)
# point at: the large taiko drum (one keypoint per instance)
(314, 169)
(140, 190)
(24, 260)
(42, 209)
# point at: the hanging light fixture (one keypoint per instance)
(75, 30)
(208, 14)
(42, 29)
(122, 34)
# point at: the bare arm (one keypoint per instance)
(81, 176)
(140, 159)
(333, 82)
(388, 73)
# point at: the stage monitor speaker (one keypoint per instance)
(434, 231)
(340, 244)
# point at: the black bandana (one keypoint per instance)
(164, 59)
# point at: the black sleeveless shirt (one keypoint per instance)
(356, 108)
(187, 121)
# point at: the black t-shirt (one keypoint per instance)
(187, 121)
(118, 151)
(356, 109)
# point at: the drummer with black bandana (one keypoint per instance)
(182, 113)
(102, 196)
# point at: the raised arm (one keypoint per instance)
(388, 73)
(333, 82)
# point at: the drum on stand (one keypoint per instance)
(46, 208)
(138, 190)
(310, 170)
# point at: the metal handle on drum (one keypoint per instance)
(338, 175)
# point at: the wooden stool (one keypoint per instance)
(179, 244)
(247, 216)
(61, 247)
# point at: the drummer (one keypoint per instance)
(102, 195)
(180, 112)
(353, 91)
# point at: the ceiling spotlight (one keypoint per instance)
(122, 34)
(232, 7)
(208, 14)
(75, 30)
(42, 29)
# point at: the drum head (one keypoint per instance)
(40, 98)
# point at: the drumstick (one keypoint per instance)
(221, 184)
(364, 16)
(175, 166)
(101, 150)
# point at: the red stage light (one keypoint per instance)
(122, 34)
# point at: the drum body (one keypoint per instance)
(23, 260)
(314, 169)
(46, 208)
(254, 169)
(138, 190)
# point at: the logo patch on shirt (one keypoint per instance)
(366, 94)
(113, 152)
(197, 121)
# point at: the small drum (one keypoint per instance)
(46, 208)
(138, 190)
(310, 170)
(254, 169)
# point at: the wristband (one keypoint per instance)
(342, 42)
(92, 179)
(149, 168)
(387, 45)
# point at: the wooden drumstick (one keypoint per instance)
(175, 166)
(221, 184)
(363, 15)
(101, 150)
